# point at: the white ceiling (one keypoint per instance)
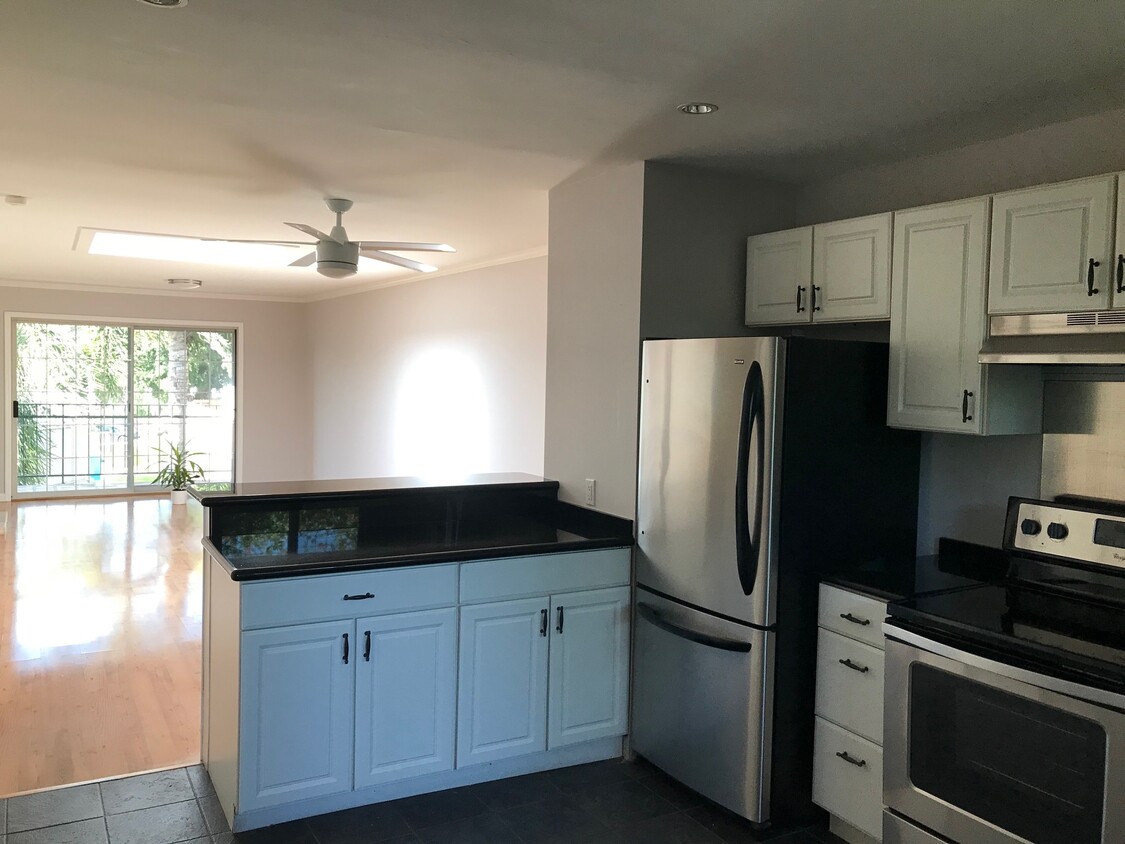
(448, 120)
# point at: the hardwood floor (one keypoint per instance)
(100, 618)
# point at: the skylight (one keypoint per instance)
(189, 250)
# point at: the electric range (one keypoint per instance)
(1005, 707)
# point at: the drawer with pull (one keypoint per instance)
(852, 614)
(848, 777)
(849, 684)
(298, 600)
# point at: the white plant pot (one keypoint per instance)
(179, 496)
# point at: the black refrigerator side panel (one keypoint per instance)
(849, 493)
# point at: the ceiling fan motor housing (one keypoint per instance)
(337, 260)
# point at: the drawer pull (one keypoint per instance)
(847, 663)
(362, 597)
(862, 622)
(851, 760)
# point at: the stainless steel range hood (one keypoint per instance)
(1086, 337)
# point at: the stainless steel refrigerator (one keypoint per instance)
(762, 462)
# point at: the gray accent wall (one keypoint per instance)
(693, 271)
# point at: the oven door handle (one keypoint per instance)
(1078, 691)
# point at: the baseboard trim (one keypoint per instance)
(590, 751)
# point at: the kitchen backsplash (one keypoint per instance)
(1084, 437)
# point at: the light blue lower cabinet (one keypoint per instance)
(502, 699)
(588, 696)
(297, 703)
(339, 713)
(405, 695)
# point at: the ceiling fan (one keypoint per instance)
(337, 257)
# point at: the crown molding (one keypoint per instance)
(142, 291)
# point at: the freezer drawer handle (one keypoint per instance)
(851, 760)
(847, 616)
(656, 619)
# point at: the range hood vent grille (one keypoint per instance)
(1084, 337)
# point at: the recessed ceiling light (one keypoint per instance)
(165, 4)
(189, 250)
(698, 108)
(187, 283)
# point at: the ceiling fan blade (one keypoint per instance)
(310, 231)
(305, 260)
(405, 246)
(266, 242)
(398, 261)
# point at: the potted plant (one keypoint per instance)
(178, 471)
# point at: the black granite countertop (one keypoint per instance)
(212, 494)
(335, 528)
(956, 564)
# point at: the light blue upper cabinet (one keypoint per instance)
(830, 272)
(1052, 248)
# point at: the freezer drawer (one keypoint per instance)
(702, 702)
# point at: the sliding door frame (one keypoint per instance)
(9, 376)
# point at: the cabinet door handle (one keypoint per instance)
(851, 760)
(1121, 273)
(847, 616)
(800, 294)
(345, 649)
(559, 621)
(367, 646)
(542, 622)
(862, 669)
(1090, 289)
(362, 597)
(965, 415)
(815, 290)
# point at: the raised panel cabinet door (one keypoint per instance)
(852, 270)
(297, 708)
(1052, 248)
(1117, 282)
(589, 676)
(938, 317)
(405, 696)
(502, 690)
(779, 277)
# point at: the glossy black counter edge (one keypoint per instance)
(894, 580)
(452, 556)
(350, 488)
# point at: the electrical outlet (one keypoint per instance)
(591, 492)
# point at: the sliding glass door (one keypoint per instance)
(97, 406)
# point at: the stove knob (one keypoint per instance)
(1056, 530)
(1030, 527)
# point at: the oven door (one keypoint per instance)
(982, 752)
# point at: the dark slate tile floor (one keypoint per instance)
(611, 802)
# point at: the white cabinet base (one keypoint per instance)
(577, 754)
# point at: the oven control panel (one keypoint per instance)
(1081, 533)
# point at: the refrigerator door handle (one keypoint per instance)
(657, 620)
(747, 540)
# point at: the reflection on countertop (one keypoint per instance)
(395, 524)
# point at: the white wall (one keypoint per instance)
(593, 335)
(442, 375)
(965, 481)
(276, 414)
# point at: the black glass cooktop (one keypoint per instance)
(1066, 625)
